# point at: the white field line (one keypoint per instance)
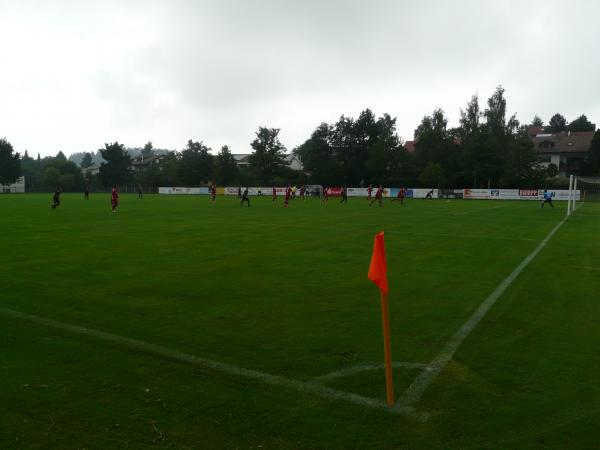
(366, 367)
(313, 388)
(414, 392)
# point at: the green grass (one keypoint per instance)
(284, 291)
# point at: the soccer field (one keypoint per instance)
(185, 324)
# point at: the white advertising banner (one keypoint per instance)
(359, 192)
(422, 193)
(258, 190)
(472, 194)
(479, 194)
(183, 190)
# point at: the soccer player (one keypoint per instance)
(369, 191)
(56, 198)
(378, 196)
(86, 193)
(288, 193)
(344, 195)
(401, 195)
(213, 192)
(429, 195)
(274, 193)
(302, 192)
(114, 198)
(239, 192)
(547, 198)
(140, 191)
(325, 195)
(245, 198)
(293, 192)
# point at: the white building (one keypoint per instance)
(18, 187)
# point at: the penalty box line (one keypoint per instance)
(422, 381)
(310, 387)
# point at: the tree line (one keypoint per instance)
(488, 148)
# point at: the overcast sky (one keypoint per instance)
(76, 74)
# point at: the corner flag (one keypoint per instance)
(377, 274)
(378, 267)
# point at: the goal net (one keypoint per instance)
(583, 189)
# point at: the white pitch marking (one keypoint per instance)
(366, 367)
(414, 392)
(163, 352)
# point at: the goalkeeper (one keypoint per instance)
(548, 198)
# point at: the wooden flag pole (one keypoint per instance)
(385, 317)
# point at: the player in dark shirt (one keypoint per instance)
(114, 199)
(302, 192)
(86, 193)
(140, 191)
(344, 195)
(239, 192)
(56, 199)
(245, 198)
(325, 195)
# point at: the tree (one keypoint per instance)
(60, 156)
(51, 178)
(469, 119)
(267, 160)
(383, 151)
(226, 170)
(317, 157)
(10, 164)
(436, 145)
(582, 124)
(87, 160)
(432, 175)
(537, 121)
(521, 167)
(195, 164)
(557, 123)
(552, 170)
(116, 169)
(495, 115)
(148, 150)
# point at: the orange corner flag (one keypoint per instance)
(378, 267)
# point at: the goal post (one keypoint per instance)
(582, 189)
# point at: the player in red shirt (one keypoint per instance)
(401, 195)
(302, 192)
(378, 196)
(288, 193)
(114, 199)
(213, 192)
(274, 193)
(369, 191)
(325, 195)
